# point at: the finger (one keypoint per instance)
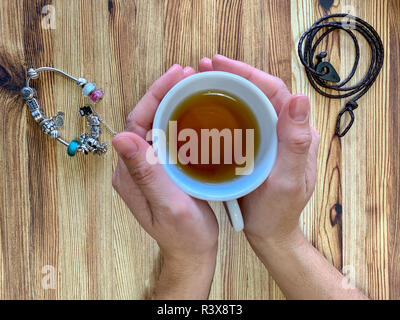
(205, 64)
(152, 180)
(188, 71)
(131, 194)
(273, 87)
(294, 140)
(141, 117)
(315, 142)
(311, 170)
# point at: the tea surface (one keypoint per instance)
(213, 109)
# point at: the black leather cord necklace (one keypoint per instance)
(322, 72)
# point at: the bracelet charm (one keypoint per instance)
(87, 142)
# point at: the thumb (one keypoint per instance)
(152, 180)
(294, 137)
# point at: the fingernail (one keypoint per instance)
(220, 56)
(126, 147)
(174, 67)
(299, 109)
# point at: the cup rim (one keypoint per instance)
(201, 194)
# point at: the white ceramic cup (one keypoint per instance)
(227, 191)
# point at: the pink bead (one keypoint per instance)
(96, 95)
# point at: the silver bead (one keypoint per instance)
(32, 104)
(58, 119)
(54, 134)
(81, 82)
(38, 115)
(32, 73)
(93, 120)
(83, 149)
(101, 149)
(27, 93)
(47, 126)
(95, 132)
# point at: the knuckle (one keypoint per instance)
(130, 121)
(317, 137)
(280, 83)
(292, 187)
(316, 134)
(142, 173)
(300, 143)
(115, 181)
(280, 87)
(179, 209)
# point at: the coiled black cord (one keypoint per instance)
(323, 72)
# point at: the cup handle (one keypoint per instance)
(235, 214)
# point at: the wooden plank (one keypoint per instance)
(137, 60)
(377, 163)
(393, 149)
(354, 170)
(366, 181)
(264, 49)
(14, 254)
(81, 179)
(321, 219)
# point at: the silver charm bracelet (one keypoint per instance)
(87, 142)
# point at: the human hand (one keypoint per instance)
(271, 212)
(185, 228)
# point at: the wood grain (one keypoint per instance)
(64, 213)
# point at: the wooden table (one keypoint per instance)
(63, 213)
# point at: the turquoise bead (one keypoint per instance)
(88, 89)
(73, 147)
